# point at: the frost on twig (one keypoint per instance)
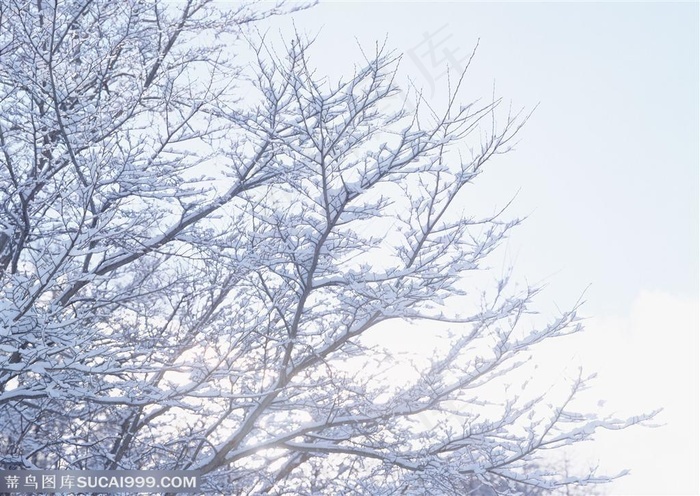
(188, 279)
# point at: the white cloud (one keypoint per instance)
(648, 360)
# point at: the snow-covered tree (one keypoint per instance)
(202, 240)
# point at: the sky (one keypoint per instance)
(606, 171)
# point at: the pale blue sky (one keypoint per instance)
(608, 166)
